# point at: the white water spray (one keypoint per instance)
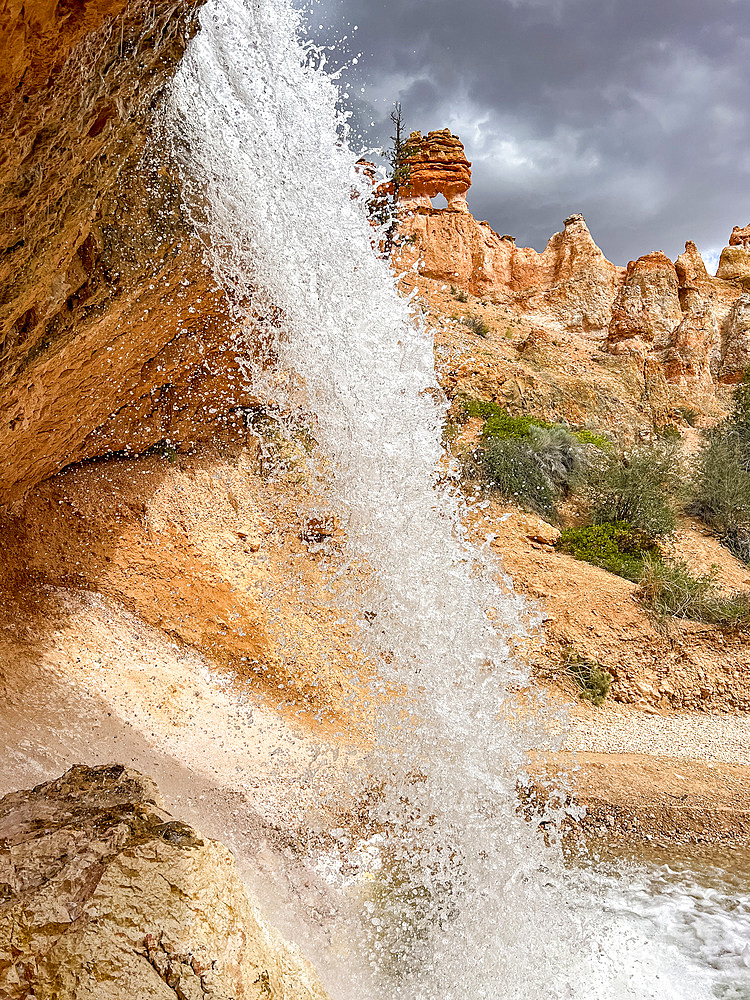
(268, 179)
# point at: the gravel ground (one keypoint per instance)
(619, 729)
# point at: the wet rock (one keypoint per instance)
(106, 897)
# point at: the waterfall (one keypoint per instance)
(488, 911)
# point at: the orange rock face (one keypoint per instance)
(673, 314)
(112, 331)
(740, 237)
(570, 285)
(735, 345)
(438, 166)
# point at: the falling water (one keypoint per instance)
(269, 178)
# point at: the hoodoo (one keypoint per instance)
(674, 315)
(740, 237)
(437, 166)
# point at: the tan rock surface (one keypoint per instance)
(734, 266)
(209, 548)
(107, 896)
(647, 308)
(735, 341)
(570, 286)
(694, 351)
(100, 275)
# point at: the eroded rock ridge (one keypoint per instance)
(672, 314)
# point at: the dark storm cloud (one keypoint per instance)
(635, 113)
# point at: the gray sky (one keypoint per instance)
(634, 112)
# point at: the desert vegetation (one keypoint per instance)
(622, 505)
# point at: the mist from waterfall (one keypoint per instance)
(270, 181)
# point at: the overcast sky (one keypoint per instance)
(634, 112)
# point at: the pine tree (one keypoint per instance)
(398, 174)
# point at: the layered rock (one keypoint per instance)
(437, 166)
(672, 314)
(570, 285)
(112, 331)
(693, 353)
(104, 896)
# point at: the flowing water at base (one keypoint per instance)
(695, 901)
(467, 902)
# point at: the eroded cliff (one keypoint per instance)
(113, 334)
(672, 314)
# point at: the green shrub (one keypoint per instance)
(669, 588)
(483, 408)
(641, 488)
(559, 454)
(512, 468)
(459, 294)
(721, 483)
(593, 679)
(720, 488)
(619, 548)
(739, 419)
(600, 441)
(501, 426)
(477, 325)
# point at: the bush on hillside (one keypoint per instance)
(592, 678)
(641, 488)
(477, 325)
(502, 425)
(720, 488)
(600, 441)
(619, 548)
(512, 468)
(669, 588)
(559, 453)
(721, 483)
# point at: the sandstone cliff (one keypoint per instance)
(102, 346)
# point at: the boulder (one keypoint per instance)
(104, 896)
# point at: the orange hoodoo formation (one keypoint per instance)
(740, 237)
(673, 314)
(438, 165)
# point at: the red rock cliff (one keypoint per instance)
(673, 314)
